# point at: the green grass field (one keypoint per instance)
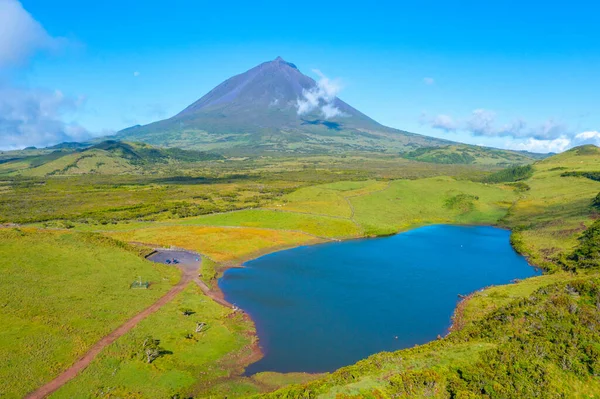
(550, 216)
(231, 245)
(320, 226)
(190, 360)
(409, 203)
(239, 209)
(60, 293)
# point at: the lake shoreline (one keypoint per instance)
(459, 306)
(253, 350)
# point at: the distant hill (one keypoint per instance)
(471, 155)
(107, 157)
(257, 112)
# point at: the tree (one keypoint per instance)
(151, 348)
(596, 201)
(200, 326)
(187, 311)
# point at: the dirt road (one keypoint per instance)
(189, 274)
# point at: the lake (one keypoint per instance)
(321, 307)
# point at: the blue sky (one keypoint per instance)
(498, 73)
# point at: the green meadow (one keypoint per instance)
(60, 293)
(189, 360)
(69, 264)
(409, 203)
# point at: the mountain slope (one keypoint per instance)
(470, 155)
(257, 111)
(108, 157)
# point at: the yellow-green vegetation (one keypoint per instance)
(92, 161)
(466, 154)
(482, 303)
(108, 157)
(60, 292)
(209, 271)
(316, 225)
(104, 200)
(251, 385)
(321, 226)
(328, 199)
(187, 361)
(316, 199)
(408, 203)
(551, 215)
(536, 338)
(222, 244)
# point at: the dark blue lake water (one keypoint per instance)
(321, 307)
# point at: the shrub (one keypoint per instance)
(512, 174)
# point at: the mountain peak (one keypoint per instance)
(259, 108)
(280, 60)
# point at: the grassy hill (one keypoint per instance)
(470, 155)
(60, 293)
(126, 158)
(107, 157)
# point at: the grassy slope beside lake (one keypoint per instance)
(550, 216)
(223, 244)
(59, 294)
(188, 358)
(537, 338)
(408, 203)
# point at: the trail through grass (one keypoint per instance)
(60, 293)
(188, 358)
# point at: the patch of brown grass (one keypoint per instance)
(230, 245)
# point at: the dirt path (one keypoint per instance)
(214, 295)
(349, 202)
(82, 363)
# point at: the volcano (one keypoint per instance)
(274, 107)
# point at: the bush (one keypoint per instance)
(587, 253)
(512, 174)
(596, 201)
(590, 175)
(461, 202)
(520, 186)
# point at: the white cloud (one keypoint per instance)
(21, 35)
(589, 137)
(550, 130)
(444, 122)
(550, 136)
(321, 97)
(483, 122)
(541, 146)
(136, 74)
(331, 111)
(34, 118)
(558, 144)
(31, 117)
(592, 136)
(429, 81)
